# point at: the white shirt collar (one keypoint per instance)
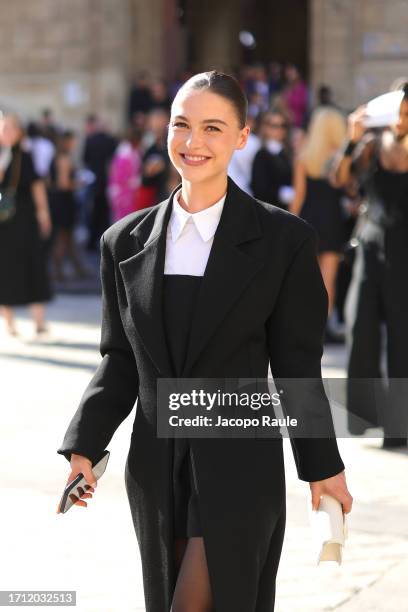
(274, 146)
(206, 221)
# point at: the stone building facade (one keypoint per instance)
(76, 56)
(359, 47)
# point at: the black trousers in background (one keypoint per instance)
(377, 296)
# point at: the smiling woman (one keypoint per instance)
(191, 288)
(208, 123)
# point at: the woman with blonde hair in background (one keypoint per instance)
(25, 227)
(317, 198)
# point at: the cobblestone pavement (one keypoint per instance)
(94, 550)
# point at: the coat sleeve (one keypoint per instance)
(295, 337)
(113, 389)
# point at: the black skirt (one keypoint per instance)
(180, 292)
(322, 209)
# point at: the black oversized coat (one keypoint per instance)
(262, 301)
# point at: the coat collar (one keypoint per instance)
(229, 270)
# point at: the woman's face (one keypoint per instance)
(10, 132)
(291, 73)
(274, 127)
(70, 144)
(401, 127)
(204, 132)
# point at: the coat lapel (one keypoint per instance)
(143, 279)
(229, 270)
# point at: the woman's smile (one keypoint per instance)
(194, 160)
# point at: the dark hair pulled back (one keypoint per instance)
(224, 85)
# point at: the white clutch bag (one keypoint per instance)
(330, 531)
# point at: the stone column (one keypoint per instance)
(215, 28)
(146, 47)
(331, 47)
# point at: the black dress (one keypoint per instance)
(180, 292)
(322, 209)
(159, 180)
(23, 252)
(62, 201)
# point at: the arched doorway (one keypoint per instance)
(281, 31)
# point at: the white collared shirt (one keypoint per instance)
(190, 237)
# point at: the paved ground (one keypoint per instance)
(94, 550)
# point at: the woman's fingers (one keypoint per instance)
(78, 502)
(79, 499)
(347, 502)
(336, 486)
(316, 494)
(89, 475)
(82, 493)
(356, 123)
(339, 491)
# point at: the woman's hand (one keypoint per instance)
(81, 464)
(153, 165)
(335, 486)
(356, 128)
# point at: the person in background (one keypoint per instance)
(125, 175)
(257, 103)
(24, 236)
(140, 97)
(324, 98)
(295, 95)
(240, 167)
(271, 179)
(48, 127)
(260, 85)
(275, 78)
(42, 149)
(156, 162)
(317, 200)
(378, 292)
(62, 187)
(160, 95)
(97, 154)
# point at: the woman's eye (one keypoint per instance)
(183, 124)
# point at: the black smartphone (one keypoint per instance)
(98, 469)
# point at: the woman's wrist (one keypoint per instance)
(43, 213)
(349, 147)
